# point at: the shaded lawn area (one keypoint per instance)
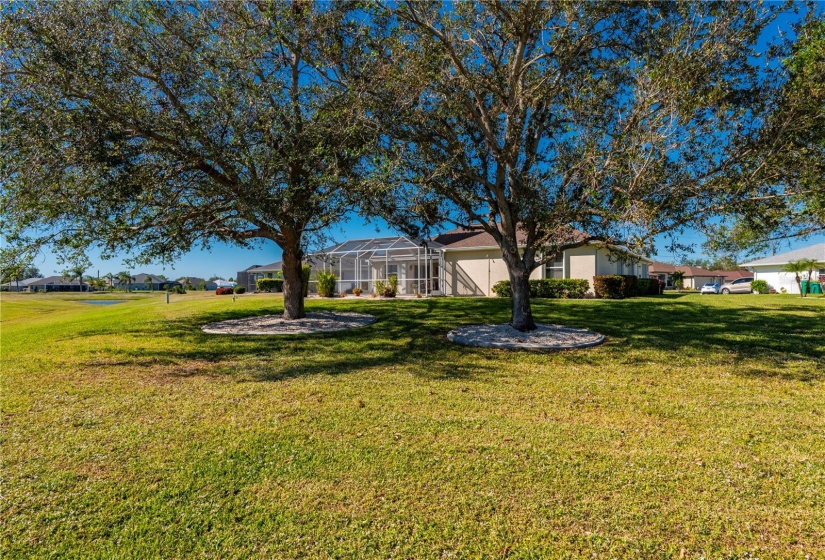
(697, 429)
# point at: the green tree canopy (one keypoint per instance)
(553, 125)
(154, 127)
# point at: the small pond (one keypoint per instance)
(105, 302)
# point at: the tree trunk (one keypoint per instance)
(522, 314)
(799, 284)
(293, 282)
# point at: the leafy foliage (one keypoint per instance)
(617, 286)
(760, 287)
(269, 284)
(558, 288)
(326, 283)
(160, 126)
(552, 125)
(239, 290)
(648, 286)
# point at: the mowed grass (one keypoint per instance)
(697, 430)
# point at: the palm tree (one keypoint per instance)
(797, 268)
(111, 278)
(678, 278)
(125, 278)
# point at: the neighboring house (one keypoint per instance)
(197, 283)
(15, 285)
(731, 275)
(461, 262)
(694, 276)
(147, 282)
(248, 278)
(50, 284)
(769, 269)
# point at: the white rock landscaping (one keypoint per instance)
(276, 325)
(545, 337)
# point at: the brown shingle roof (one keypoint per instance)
(730, 275)
(690, 271)
(475, 237)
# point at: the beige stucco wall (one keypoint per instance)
(474, 272)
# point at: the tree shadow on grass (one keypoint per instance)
(406, 333)
(412, 334)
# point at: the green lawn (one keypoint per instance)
(698, 429)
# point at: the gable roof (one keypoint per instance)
(816, 252)
(274, 267)
(55, 280)
(690, 271)
(476, 237)
(731, 275)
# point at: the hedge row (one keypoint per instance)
(615, 286)
(648, 286)
(558, 288)
(270, 284)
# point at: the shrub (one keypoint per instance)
(356, 291)
(385, 289)
(558, 288)
(648, 286)
(270, 284)
(224, 291)
(393, 284)
(326, 284)
(502, 289)
(239, 289)
(615, 286)
(760, 287)
(176, 290)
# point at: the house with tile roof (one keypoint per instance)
(694, 277)
(769, 269)
(460, 262)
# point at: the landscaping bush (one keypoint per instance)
(176, 290)
(326, 284)
(648, 286)
(385, 289)
(760, 287)
(224, 291)
(557, 288)
(615, 286)
(270, 284)
(239, 289)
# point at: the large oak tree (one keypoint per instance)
(556, 124)
(153, 127)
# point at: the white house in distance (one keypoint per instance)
(461, 262)
(769, 269)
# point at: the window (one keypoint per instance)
(392, 270)
(555, 269)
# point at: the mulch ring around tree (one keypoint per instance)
(545, 337)
(320, 322)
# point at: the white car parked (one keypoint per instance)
(709, 288)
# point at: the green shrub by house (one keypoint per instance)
(647, 286)
(558, 288)
(326, 284)
(240, 289)
(760, 287)
(615, 286)
(270, 284)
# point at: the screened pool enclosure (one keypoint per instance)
(360, 263)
